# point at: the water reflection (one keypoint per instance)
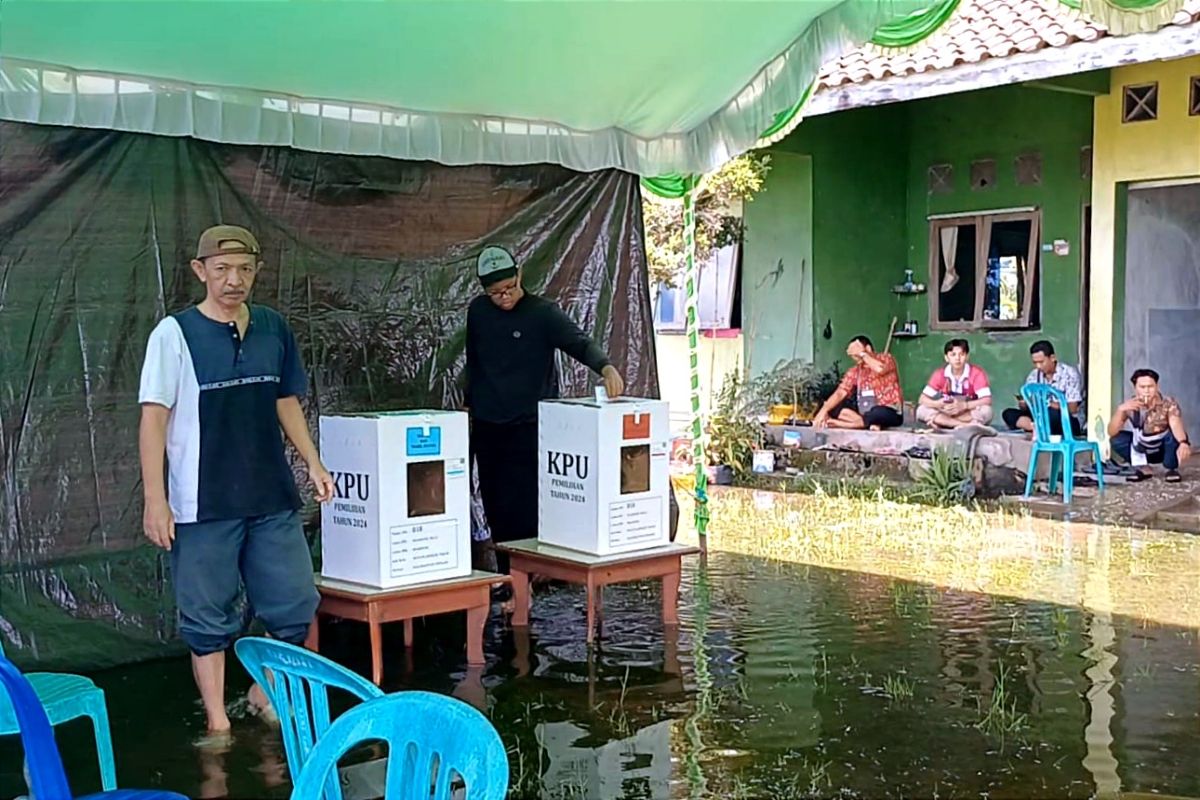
(824, 649)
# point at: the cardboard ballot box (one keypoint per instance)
(603, 474)
(400, 513)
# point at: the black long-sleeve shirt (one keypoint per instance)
(510, 357)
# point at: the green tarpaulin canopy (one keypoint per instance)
(645, 86)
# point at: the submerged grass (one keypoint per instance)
(1000, 717)
(1148, 575)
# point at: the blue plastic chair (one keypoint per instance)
(421, 730)
(297, 682)
(1062, 453)
(47, 779)
(64, 697)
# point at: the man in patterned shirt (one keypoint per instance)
(1048, 369)
(869, 395)
(1157, 435)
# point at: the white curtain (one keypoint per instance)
(949, 236)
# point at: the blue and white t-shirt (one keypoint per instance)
(224, 445)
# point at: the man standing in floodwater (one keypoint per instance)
(512, 338)
(219, 381)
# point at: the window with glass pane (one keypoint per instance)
(983, 271)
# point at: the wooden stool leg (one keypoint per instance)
(313, 640)
(476, 621)
(376, 647)
(521, 598)
(408, 632)
(598, 601)
(670, 596)
(591, 609)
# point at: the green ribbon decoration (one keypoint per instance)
(917, 26)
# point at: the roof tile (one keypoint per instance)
(978, 30)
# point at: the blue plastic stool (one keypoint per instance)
(1062, 453)
(419, 729)
(297, 682)
(47, 779)
(64, 697)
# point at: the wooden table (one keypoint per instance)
(530, 556)
(377, 606)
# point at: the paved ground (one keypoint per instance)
(1127, 504)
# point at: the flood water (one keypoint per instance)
(827, 648)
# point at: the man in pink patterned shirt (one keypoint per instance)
(958, 395)
(869, 395)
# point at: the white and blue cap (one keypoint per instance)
(495, 264)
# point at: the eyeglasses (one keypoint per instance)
(505, 292)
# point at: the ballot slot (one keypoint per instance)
(635, 469)
(426, 488)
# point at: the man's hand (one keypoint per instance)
(613, 383)
(856, 350)
(159, 523)
(1130, 406)
(322, 482)
(1184, 452)
(820, 420)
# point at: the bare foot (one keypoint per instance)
(875, 428)
(260, 706)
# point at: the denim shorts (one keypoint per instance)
(211, 562)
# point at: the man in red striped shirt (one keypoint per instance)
(958, 395)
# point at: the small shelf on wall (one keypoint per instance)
(903, 335)
(902, 289)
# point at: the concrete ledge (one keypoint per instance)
(1011, 452)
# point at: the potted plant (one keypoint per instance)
(733, 435)
(792, 391)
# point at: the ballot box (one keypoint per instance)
(400, 513)
(603, 483)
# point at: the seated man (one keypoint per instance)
(1064, 377)
(1157, 434)
(959, 395)
(869, 395)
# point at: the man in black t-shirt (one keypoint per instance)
(512, 337)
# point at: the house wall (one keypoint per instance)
(777, 258)
(719, 356)
(1000, 124)
(855, 229)
(1164, 149)
(870, 204)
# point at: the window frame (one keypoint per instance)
(983, 222)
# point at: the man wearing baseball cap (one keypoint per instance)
(219, 381)
(512, 338)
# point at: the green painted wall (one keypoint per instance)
(870, 205)
(1001, 124)
(777, 266)
(857, 162)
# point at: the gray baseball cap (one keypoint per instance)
(495, 264)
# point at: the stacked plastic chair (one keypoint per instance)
(47, 778)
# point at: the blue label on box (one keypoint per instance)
(424, 442)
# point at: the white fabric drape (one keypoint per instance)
(949, 237)
(45, 94)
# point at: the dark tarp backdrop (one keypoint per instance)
(371, 261)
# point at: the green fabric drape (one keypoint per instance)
(669, 187)
(784, 119)
(1123, 17)
(916, 26)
